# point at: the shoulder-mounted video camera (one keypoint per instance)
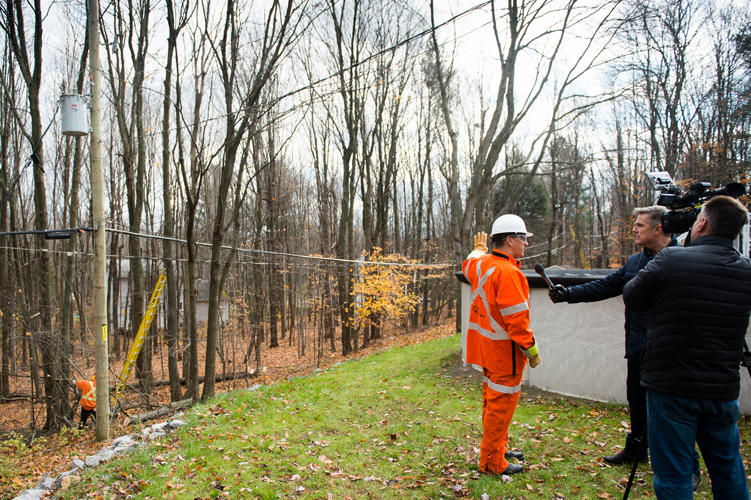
(683, 208)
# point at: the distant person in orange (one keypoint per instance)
(88, 399)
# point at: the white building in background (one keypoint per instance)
(202, 301)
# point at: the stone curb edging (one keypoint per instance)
(120, 445)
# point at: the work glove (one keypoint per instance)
(535, 361)
(481, 242)
(533, 355)
(559, 293)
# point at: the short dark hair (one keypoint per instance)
(725, 216)
(499, 239)
(654, 212)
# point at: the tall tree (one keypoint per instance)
(279, 32)
(193, 170)
(28, 57)
(346, 49)
(176, 20)
(131, 22)
(7, 99)
(660, 35)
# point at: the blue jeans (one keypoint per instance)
(674, 424)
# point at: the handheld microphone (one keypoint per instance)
(541, 271)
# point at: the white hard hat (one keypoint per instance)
(509, 223)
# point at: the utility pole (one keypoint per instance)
(97, 209)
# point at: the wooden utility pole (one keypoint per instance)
(97, 209)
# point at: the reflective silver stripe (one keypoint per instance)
(88, 396)
(505, 389)
(515, 309)
(479, 291)
(499, 335)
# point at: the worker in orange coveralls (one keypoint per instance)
(88, 399)
(498, 337)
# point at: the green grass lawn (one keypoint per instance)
(404, 423)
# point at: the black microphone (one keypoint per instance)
(541, 271)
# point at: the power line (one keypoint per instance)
(275, 101)
(66, 233)
(283, 254)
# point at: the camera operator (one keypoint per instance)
(648, 233)
(700, 298)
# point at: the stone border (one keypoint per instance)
(119, 446)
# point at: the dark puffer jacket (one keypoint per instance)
(700, 298)
(612, 286)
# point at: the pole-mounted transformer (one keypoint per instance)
(75, 116)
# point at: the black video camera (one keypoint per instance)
(683, 208)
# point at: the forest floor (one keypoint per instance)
(23, 461)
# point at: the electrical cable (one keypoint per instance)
(273, 102)
(32, 158)
(266, 252)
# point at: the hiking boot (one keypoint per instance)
(622, 457)
(514, 454)
(513, 469)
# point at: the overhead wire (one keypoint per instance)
(251, 251)
(273, 102)
(283, 254)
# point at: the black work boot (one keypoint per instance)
(514, 454)
(622, 457)
(513, 469)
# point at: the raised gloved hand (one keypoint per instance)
(559, 293)
(480, 241)
(533, 362)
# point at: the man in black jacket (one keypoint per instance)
(648, 234)
(700, 297)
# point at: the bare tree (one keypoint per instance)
(660, 35)
(131, 23)
(14, 18)
(69, 262)
(176, 21)
(716, 151)
(346, 49)
(279, 32)
(7, 99)
(192, 175)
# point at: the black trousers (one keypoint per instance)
(637, 406)
(85, 415)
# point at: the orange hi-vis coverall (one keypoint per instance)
(498, 331)
(88, 398)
